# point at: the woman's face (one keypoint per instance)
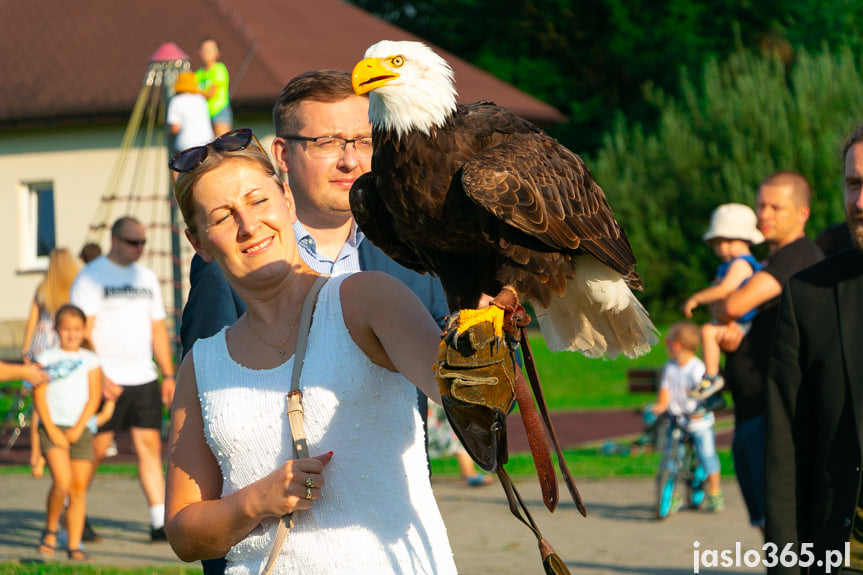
(244, 218)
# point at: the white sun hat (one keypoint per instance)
(734, 222)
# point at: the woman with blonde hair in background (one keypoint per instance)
(53, 292)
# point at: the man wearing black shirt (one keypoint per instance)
(782, 209)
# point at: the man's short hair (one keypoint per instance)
(686, 333)
(855, 138)
(316, 85)
(801, 193)
(121, 222)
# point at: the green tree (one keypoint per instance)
(591, 58)
(746, 118)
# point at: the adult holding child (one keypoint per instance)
(782, 208)
(365, 498)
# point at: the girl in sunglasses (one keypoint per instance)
(362, 498)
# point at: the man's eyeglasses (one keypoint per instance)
(232, 141)
(133, 243)
(332, 147)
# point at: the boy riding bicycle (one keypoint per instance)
(681, 374)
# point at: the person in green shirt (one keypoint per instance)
(213, 83)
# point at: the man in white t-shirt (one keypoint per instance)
(126, 323)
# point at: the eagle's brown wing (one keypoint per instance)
(531, 182)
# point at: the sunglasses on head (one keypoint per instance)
(232, 141)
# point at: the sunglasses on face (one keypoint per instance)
(133, 243)
(233, 141)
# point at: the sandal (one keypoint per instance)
(44, 547)
(78, 555)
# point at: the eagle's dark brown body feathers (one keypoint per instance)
(484, 201)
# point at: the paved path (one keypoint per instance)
(619, 537)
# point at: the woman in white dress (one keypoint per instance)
(230, 469)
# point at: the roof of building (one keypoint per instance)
(66, 61)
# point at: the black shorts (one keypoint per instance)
(137, 406)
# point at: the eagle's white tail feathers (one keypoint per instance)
(599, 315)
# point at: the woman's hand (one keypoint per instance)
(34, 373)
(292, 487)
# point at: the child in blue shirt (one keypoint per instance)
(65, 406)
(733, 228)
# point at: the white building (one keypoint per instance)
(71, 74)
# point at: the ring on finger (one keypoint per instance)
(308, 492)
(309, 483)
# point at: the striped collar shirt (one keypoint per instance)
(347, 261)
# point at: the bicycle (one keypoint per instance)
(679, 467)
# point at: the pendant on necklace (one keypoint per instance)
(280, 352)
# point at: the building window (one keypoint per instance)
(38, 224)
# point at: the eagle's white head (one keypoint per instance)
(409, 86)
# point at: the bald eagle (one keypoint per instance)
(486, 200)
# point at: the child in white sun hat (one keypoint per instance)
(733, 228)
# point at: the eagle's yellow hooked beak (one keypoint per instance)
(371, 73)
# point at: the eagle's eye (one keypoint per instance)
(397, 61)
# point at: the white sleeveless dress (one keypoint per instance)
(377, 513)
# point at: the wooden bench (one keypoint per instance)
(643, 379)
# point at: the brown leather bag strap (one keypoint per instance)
(552, 563)
(533, 377)
(295, 412)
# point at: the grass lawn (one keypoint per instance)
(588, 462)
(572, 381)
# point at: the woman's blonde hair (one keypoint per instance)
(53, 292)
(186, 182)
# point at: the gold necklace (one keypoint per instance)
(279, 351)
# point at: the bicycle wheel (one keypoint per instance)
(695, 486)
(665, 493)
